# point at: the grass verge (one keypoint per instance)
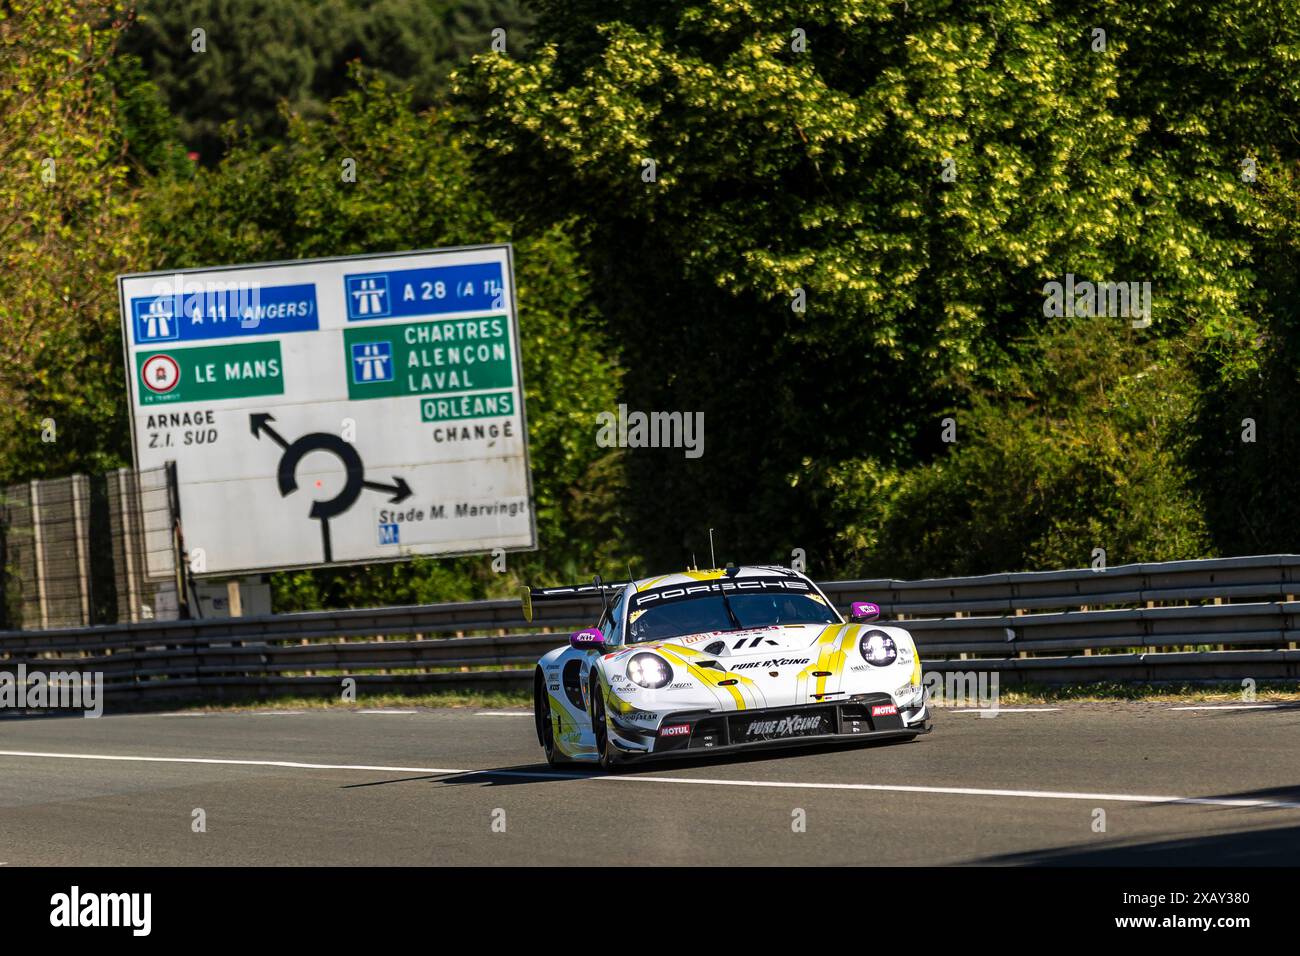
(486, 700)
(1174, 693)
(1225, 693)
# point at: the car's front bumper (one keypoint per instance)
(865, 717)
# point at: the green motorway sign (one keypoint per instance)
(446, 356)
(209, 373)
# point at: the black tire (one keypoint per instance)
(609, 757)
(542, 718)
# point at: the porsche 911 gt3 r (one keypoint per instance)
(710, 661)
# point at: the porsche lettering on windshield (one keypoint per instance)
(724, 607)
(649, 598)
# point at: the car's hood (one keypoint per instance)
(751, 642)
(763, 667)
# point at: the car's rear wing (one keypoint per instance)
(569, 592)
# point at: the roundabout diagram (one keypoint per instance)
(355, 481)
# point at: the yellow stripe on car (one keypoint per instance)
(707, 675)
(705, 575)
(829, 658)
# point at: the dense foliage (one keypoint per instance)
(829, 225)
(256, 59)
(67, 225)
(804, 146)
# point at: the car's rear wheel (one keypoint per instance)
(609, 757)
(545, 726)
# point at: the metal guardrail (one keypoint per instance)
(1265, 577)
(1097, 625)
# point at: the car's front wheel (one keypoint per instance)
(609, 757)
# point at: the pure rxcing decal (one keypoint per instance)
(784, 726)
(774, 662)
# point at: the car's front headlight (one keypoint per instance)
(649, 671)
(878, 648)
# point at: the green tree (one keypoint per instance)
(68, 225)
(1084, 446)
(916, 172)
(1246, 454)
(146, 128)
(254, 55)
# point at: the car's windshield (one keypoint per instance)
(709, 613)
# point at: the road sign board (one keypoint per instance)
(328, 411)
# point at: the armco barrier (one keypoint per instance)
(1136, 622)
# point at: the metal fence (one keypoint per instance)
(1225, 619)
(87, 550)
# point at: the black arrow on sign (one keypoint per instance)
(258, 424)
(399, 489)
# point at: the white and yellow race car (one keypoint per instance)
(722, 660)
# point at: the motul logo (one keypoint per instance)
(884, 710)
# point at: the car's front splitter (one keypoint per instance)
(866, 717)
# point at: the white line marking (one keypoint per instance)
(385, 712)
(977, 792)
(500, 713)
(1230, 707)
(291, 764)
(1004, 710)
(703, 781)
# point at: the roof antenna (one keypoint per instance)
(695, 565)
(713, 560)
(631, 578)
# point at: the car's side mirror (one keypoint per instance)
(588, 639)
(864, 611)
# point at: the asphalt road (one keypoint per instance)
(444, 787)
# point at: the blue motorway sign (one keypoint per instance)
(222, 311)
(433, 291)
